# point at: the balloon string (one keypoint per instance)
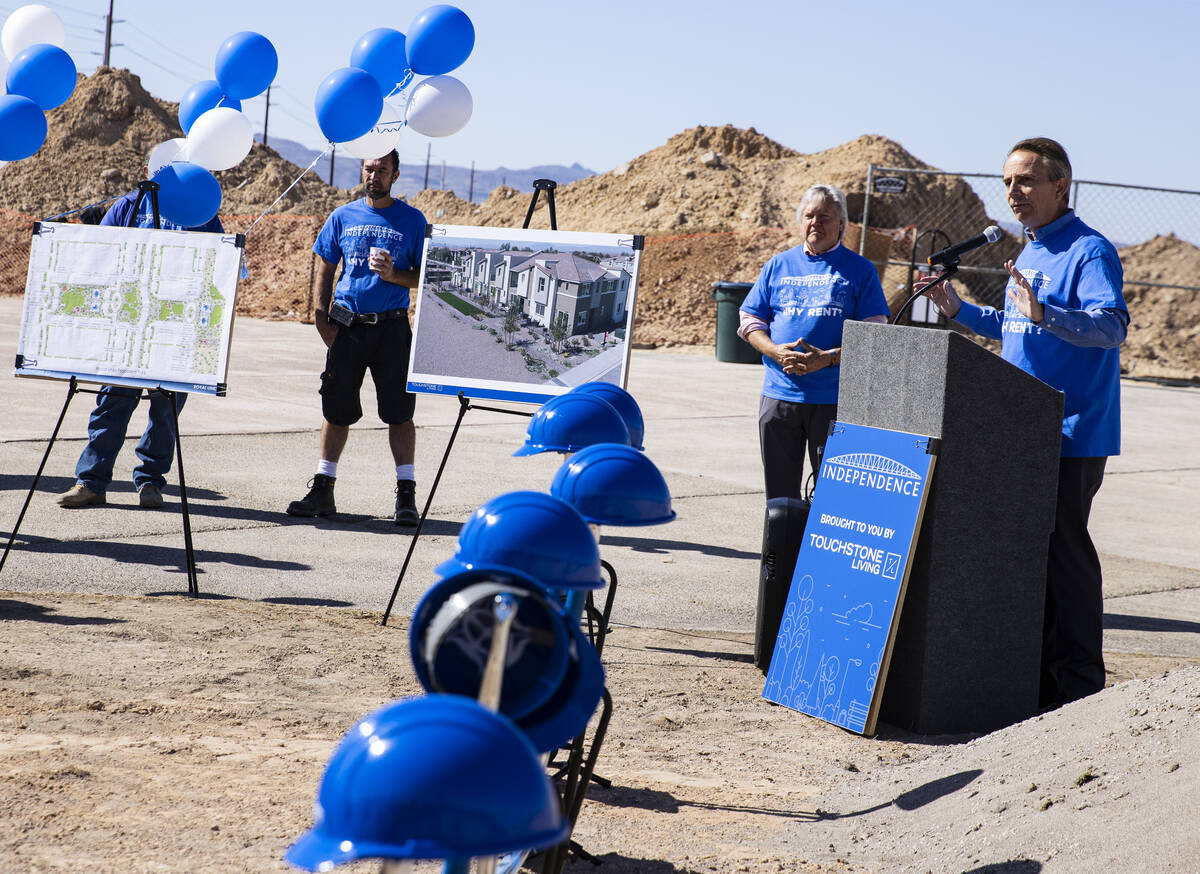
(290, 187)
(401, 85)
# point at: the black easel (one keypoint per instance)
(464, 404)
(144, 187)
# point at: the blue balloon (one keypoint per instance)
(188, 194)
(246, 64)
(439, 39)
(22, 127)
(43, 73)
(381, 53)
(348, 104)
(199, 99)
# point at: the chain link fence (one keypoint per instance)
(908, 214)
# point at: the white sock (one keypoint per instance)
(406, 471)
(327, 468)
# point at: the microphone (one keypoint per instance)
(951, 254)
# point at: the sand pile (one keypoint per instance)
(716, 179)
(714, 203)
(1164, 332)
(98, 142)
(95, 149)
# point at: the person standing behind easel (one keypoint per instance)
(363, 322)
(115, 405)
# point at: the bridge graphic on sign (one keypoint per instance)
(874, 463)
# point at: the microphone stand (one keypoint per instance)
(948, 270)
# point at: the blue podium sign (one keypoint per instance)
(838, 626)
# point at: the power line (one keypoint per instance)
(174, 54)
(87, 12)
(167, 70)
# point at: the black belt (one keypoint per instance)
(376, 318)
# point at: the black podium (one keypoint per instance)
(968, 649)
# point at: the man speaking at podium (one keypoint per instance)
(1063, 320)
(794, 315)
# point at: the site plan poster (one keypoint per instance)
(522, 315)
(840, 620)
(137, 307)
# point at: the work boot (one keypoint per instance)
(81, 496)
(406, 503)
(318, 501)
(150, 497)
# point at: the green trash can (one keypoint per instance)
(731, 347)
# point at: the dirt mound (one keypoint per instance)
(714, 203)
(97, 144)
(1164, 331)
(717, 179)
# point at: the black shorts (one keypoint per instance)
(383, 348)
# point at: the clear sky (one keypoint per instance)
(561, 81)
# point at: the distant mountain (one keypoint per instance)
(346, 171)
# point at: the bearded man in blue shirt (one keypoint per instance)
(363, 322)
(1063, 321)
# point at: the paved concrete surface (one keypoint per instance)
(247, 455)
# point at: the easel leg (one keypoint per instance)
(464, 404)
(193, 582)
(581, 772)
(71, 390)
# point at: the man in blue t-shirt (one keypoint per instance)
(794, 316)
(115, 404)
(1063, 319)
(364, 324)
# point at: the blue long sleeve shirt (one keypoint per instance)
(1078, 279)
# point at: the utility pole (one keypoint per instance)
(266, 115)
(108, 23)
(428, 150)
(443, 175)
(332, 155)
(471, 189)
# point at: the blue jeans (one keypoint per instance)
(106, 434)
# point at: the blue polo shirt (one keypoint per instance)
(1077, 277)
(348, 235)
(812, 296)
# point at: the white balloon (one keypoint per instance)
(379, 140)
(30, 25)
(166, 152)
(439, 106)
(220, 138)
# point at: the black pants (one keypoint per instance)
(1073, 630)
(785, 430)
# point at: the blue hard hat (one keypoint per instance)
(566, 714)
(624, 403)
(571, 421)
(532, 532)
(430, 778)
(451, 634)
(611, 484)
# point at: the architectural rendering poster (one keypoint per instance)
(522, 315)
(839, 623)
